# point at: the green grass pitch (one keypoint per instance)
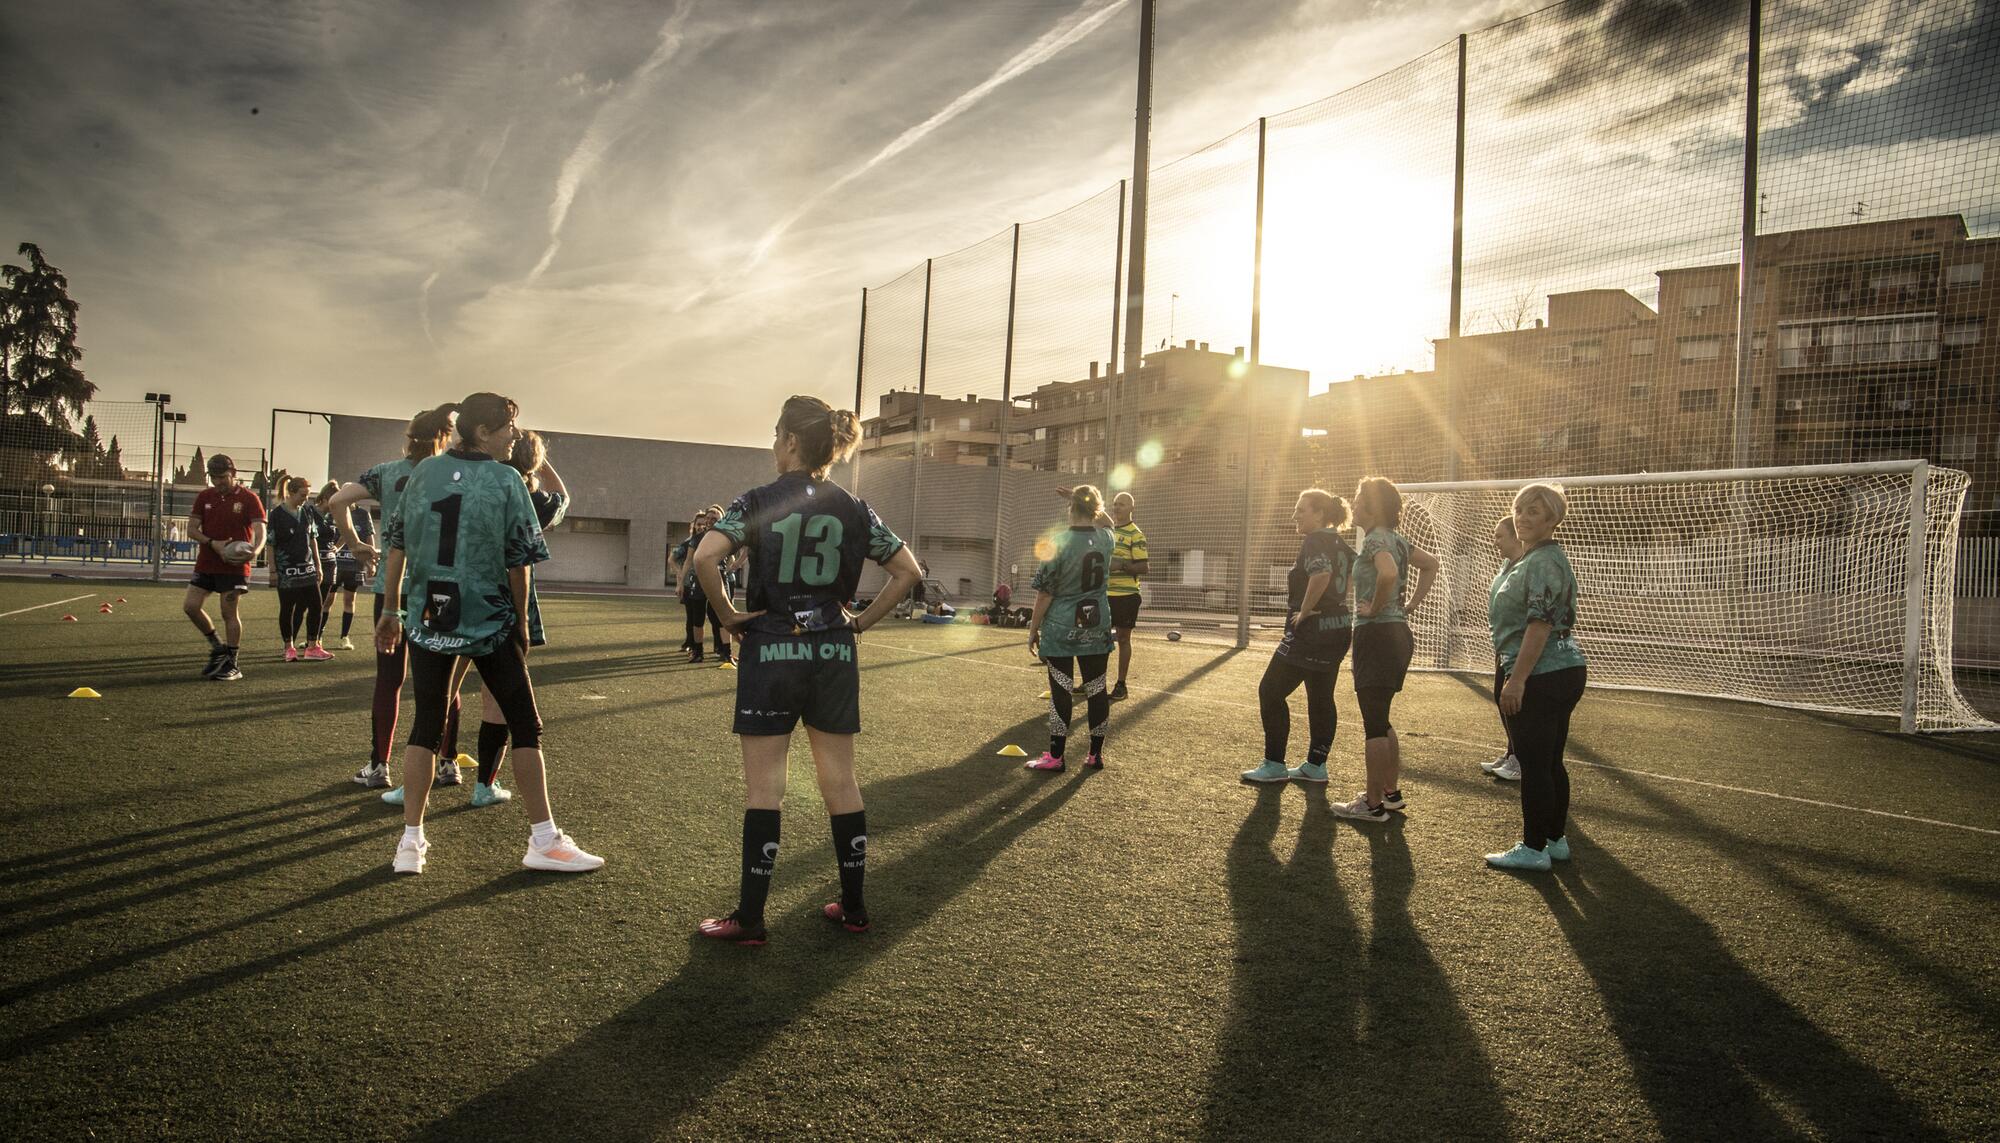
(203, 940)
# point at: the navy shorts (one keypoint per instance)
(346, 576)
(1381, 655)
(781, 679)
(222, 581)
(1124, 612)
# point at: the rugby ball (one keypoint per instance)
(238, 551)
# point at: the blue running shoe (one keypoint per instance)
(394, 797)
(1558, 849)
(1520, 857)
(485, 795)
(1308, 772)
(1268, 771)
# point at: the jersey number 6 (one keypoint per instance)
(1093, 571)
(815, 568)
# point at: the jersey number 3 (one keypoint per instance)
(819, 566)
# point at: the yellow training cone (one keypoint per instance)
(84, 692)
(1045, 694)
(1012, 751)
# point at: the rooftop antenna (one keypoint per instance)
(1173, 312)
(1860, 210)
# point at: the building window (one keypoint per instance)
(1965, 274)
(1698, 400)
(1757, 343)
(1587, 353)
(1642, 347)
(1964, 332)
(1555, 354)
(1699, 300)
(1806, 344)
(1895, 340)
(1640, 391)
(1700, 349)
(964, 424)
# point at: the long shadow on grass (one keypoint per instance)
(1314, 1009)
(1705, 1037)
(61, 862)
(633, 1076)
(16, 1047)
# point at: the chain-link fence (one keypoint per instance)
(109, 488)
(1516, 255)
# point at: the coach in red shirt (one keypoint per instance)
(225, 513)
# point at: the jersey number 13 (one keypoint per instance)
(811, 552)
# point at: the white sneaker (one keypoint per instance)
(375, 776)
(410, 855)
(1489, 767)
(346, 644)
(1509, 769)
(447, 774)
(1360, 810)
(561, 856)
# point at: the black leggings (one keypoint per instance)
(1280, 680)
(504, 675)
(696, 609)
(1500, 683)
(1539, 732)
(299, 605)
(1097, 700)
(1374, 702)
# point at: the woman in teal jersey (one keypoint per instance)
(466, 537)
(1507, 768)
(1070, 630)
(1317, 629)
(1382, 643)
(1532, 612)
(808, 541)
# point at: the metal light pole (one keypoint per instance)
(1135, 275)
(159, 401)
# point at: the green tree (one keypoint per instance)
(114, 461)
(196, 471)
(38, 351)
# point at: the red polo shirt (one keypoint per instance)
(224, 515)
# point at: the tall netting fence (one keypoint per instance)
(1583, 317)
(82, 487)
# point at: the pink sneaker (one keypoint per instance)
(316, 655)
(1048, 762)
(851, 922)
(291, 654)
(1093, 763)
(732, 930)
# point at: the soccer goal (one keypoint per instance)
(1821, 587)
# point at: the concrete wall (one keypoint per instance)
(655, 485)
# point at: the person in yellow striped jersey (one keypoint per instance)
(1128, 563)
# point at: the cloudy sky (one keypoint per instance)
(656, 218)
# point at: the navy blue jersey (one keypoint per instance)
(294, 545)
(329, 532)
(364, 530)
(808, 541)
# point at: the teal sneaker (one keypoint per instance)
(1268, 771)
(1520, 857)
(1558, 849)
(1308, 772)
(394, 797)
(485, 795)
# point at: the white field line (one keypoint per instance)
(39, 606)
(1493, 746)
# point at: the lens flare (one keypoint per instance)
(1238, 367)
(1151, 453)
(1121, 477)
(1045, 549)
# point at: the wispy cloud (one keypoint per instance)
(610, 121)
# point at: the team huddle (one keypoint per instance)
(462, 516)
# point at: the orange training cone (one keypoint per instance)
(69, 619)
(104, 608)
(121, 599)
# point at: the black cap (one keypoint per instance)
(220, 462)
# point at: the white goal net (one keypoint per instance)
(1827, 587)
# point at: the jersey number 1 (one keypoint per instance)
(447, 542)
(815, 568)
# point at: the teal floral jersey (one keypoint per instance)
(1537, 587)
(1365, 575)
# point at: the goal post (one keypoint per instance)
(1818, 587)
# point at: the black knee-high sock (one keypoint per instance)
(492, 747)
(850, 850)
(346, 622)
(1097, 704)
(760, 858)
(448, 744)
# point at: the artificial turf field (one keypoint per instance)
(202, 938)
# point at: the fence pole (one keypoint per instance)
(860, 370)
(1135, 279)
(1453, 441)
(159, 483)
(1250, 379)
(1117, 292)
(917, 425)
(1746, 268)
(1916, 581)
(1006, 407)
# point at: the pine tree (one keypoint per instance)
(114, 461)
(38, 350)
(88, 458)
(196, 471)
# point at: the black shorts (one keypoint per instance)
(1124, 612)
(781, 679)
(1381, 655)
(346, 577)
(1318, 651)
(222, 581)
